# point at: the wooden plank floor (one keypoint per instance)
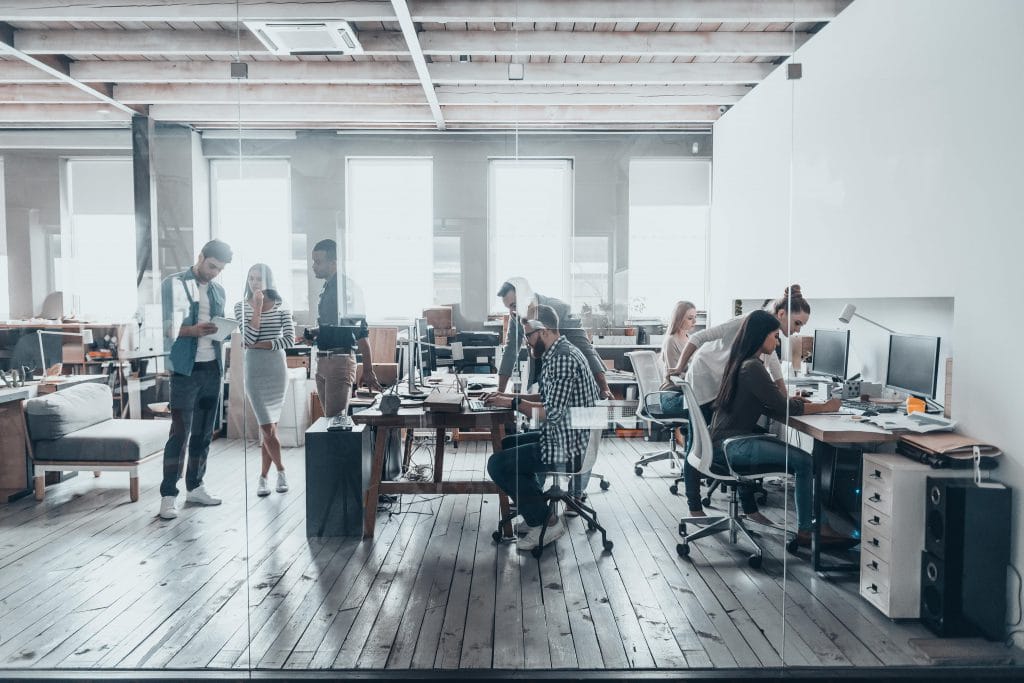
(90, 580)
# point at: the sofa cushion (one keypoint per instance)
(63, 412)
(108, 441)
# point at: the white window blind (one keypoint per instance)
(530, 216)
(668, 221)
(389, 246)
(99, 235)
(252, 212)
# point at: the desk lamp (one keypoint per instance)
(850, 311)
(86, 336)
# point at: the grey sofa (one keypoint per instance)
(72, 430)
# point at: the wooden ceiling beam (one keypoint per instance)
(446, 43)
(452, 73)
(705, 11)
(192, 10)
(250, 94)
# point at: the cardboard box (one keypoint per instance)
(439, 317)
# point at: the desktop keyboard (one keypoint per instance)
(867, 405)
(340, 423)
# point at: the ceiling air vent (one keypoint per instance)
(306, 37)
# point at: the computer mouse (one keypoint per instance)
(474, 387)
(869, 413)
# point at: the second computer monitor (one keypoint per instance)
(913, 364)
(831, 353)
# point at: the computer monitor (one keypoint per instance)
(831, 353)
(913, 364)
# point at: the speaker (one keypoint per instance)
(967, 550)
(941, 603)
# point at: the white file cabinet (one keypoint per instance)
(892, 532)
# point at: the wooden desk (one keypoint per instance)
(829, 431)
(417, 418)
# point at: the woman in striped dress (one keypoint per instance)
(268, 330)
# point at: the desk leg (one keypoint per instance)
(373, 491)
(497, 434)
(816, 459)
(439, 455)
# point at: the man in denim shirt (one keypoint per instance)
(191, 299)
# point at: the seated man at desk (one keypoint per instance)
(747, 392)
(565, 383)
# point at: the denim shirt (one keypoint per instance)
(177, 297)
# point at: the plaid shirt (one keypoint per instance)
(565, 383)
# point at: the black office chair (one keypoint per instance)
(556, 494)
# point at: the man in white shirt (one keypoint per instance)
(191, 300)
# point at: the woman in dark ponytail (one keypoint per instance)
(747, 393)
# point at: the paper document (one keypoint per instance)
(225, 326)
(920, 423)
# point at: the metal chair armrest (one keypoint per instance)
(645, 411)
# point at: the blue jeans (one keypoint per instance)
(516, 471)
(577, 485)
(758, 456)
(195, 400)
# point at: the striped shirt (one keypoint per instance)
(565, 383)
(275, 326)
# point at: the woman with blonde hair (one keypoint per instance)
(684, 317)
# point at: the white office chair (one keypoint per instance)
(595, 419)
(649, 374)
(701, 457)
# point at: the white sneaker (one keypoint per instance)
(167, 509)
(262, 487)
(282, 482)
(532, 539)
(201, 496)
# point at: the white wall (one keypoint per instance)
(907, 172)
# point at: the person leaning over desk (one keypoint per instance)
(747, 393)
(336, 362)
(518, 297)
(191, 299)
(565, 383)
(268, 330)
(709, 350)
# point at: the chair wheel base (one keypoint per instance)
(496, 536)
(605, 485)
(706, 501)
(591, 526)
(674, 490)
(537, 552)
(754, 561)
(608, 545)
(792, 546)
(639, 471)
(682, 528)
(683, 549)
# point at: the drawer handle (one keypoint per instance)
(876, 474)
(873, 564)
(875, 521)
(875, 542)
(872, 588)
(875, 498)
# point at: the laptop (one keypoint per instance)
(476, 405)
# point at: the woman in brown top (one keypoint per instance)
(747, 393)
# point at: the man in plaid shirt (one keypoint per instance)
(565, 383)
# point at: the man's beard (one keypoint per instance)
(539, 347)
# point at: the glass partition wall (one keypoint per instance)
(390, 262)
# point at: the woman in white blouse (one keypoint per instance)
(268, 330)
